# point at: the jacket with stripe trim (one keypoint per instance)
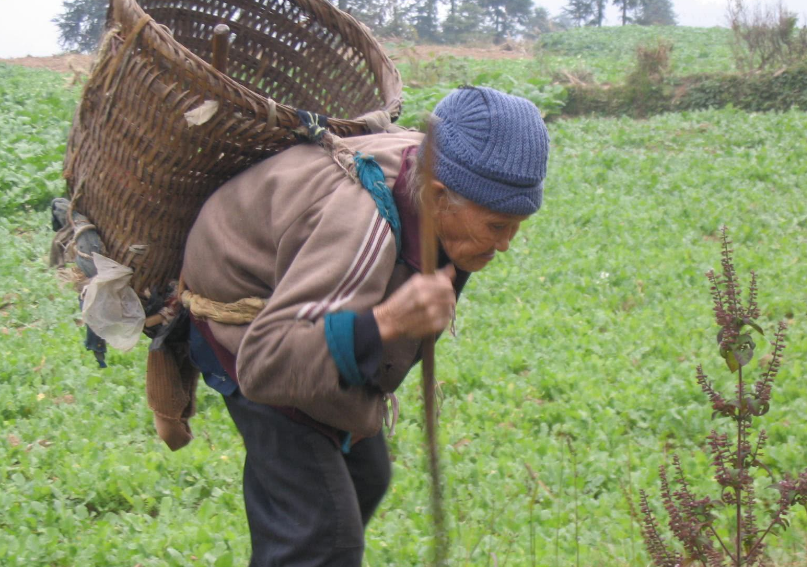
(296, 231)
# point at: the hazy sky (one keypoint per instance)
(26, 27)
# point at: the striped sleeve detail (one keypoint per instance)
(361, 268)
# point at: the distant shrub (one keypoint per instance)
(780, 90)
(770, 91)
(644, 87)
(643, 92)
(765, 37)
(653, 61)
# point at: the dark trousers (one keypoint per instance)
(307, 503)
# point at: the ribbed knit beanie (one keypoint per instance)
(492, 149)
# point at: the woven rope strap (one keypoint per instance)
(240, 312)
(359, 167)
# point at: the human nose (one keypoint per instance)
(503, 243)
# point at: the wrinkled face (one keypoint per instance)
(470, 234)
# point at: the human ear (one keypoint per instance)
(439, 194)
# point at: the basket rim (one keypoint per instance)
(128, 13)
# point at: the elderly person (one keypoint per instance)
(346, 307)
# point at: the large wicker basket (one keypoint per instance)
(136, 166)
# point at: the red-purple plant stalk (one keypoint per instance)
(692, 520)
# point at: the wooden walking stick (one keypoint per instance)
(428, 265)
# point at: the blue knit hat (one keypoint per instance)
(491, 148)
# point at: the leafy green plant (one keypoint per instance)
(736, 458)
(421, 71)
(608, 52)
(552, 337)
(35, 112)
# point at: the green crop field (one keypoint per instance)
(606, 54)
(571, 380)
(593, 55)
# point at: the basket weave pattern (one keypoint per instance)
(136, 167)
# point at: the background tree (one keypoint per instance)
(579, 11)
(383, 17)
(370, 13)
(465, 24)
(562, 22)
(81, 24)
(656, 13)
(507, 17)
(598, 7)
(425, 21)
(626, 6)
(397, 23)
(539, 23)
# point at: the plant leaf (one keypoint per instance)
(731, 361)
(763, 466)
(754, 326)
(743, 349)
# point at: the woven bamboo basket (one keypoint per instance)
(138, 169)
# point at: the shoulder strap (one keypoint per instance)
(359, 167)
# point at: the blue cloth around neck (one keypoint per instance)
(372, 178)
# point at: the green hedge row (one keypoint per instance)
(643, 96)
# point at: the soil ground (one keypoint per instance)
(76, 63)
(509, 50)
(69, 63)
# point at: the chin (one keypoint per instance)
(472, 265)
